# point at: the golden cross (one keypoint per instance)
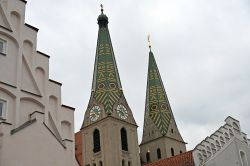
(149, 41)
(101, 7)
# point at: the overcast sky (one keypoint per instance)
(201, 47)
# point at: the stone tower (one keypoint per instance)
(161, 137)
(109, 129)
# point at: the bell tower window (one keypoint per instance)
(96, 141)
(148, 156)
(172, 151)
(124, 140)
(158, 153)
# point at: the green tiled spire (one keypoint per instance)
(157, 105)
(106, 88)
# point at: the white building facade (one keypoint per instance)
(35, 128)
(228, 146)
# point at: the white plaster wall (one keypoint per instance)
(25, 85)
(230, 156)
(227, 154)
(29, 147)
(111, 153)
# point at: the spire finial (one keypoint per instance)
(149, 42)
(101, 8)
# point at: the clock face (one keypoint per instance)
(95, 113)
(122, 112)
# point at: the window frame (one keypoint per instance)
(3, 114)
(124, 139)
(243, 158)
(172, 152)
(158, 151)
(4, 51)
(148, 156)
(96, 141)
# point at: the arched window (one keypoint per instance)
(222, 141)
(236, 128)
(172, 151)
(158, 153)
(213, 148)
(209, 153)
(227, 137)
(96, 141)
(245, 139)
(231, 133)
(200, 158)
(148, 156)
(204, 153)
(243, 158)
(217, 145)
(124, 140)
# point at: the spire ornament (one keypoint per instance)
(101, 8)
(149, 42)
(102, 19)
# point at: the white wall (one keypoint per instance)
(228, 152)
(36, 128)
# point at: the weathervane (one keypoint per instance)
(149, 42)
(101, 8)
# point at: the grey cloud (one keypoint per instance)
(201, 47)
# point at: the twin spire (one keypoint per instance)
(107, 89)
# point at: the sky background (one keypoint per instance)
(201, 47)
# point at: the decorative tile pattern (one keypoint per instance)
(107, 90)
(158, 107)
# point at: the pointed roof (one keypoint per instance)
(157, 104)
(107, 97)
(106, 87)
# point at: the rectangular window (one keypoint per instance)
(2, 47)
(2, 109)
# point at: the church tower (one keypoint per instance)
(109, 129)
(161, 137)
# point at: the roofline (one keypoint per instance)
(32, 27)
(232, 118)
(23, 1)
(31, 93)
(46, 55)
(160, 138)
(65, 106)
(108, 118)
(8, 84)
(58, 83)
(6, 28)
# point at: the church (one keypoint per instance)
(36, 129)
